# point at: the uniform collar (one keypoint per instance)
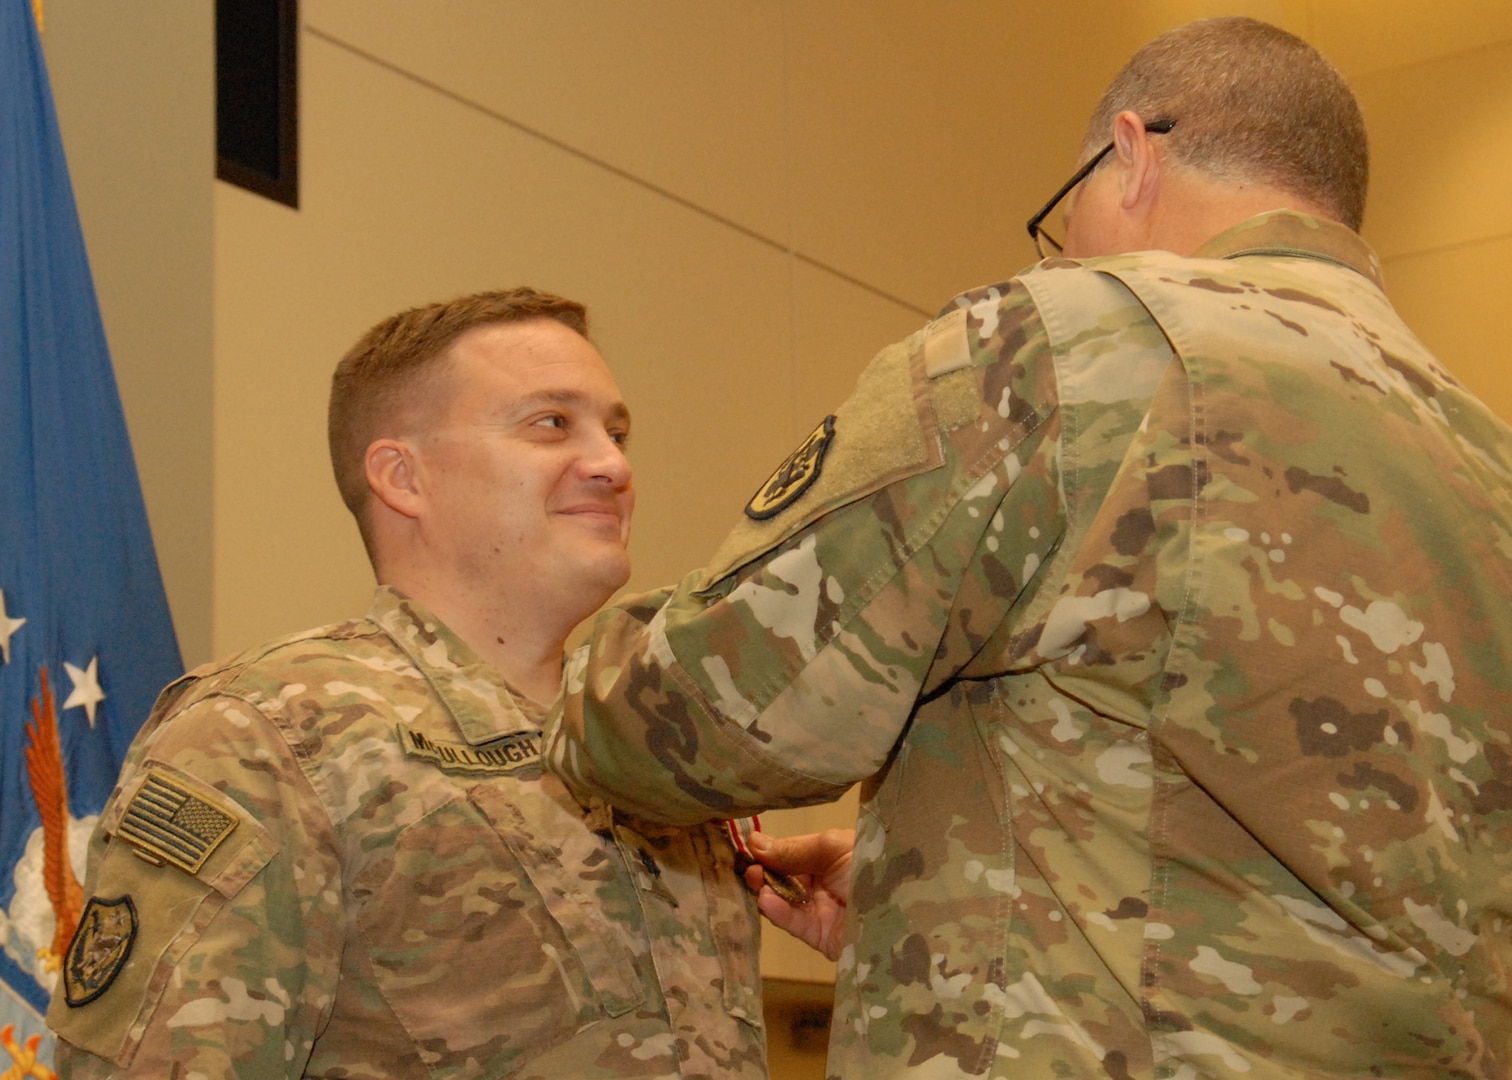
(1289, 232)
(473, 691)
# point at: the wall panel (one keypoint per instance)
(685, 96)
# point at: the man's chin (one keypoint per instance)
(609, 572)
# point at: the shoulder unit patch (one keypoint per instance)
(99, 950)
(794, 476)
(167, 822)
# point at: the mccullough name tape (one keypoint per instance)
(505, 755)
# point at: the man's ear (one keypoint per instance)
(392, 473)
(1139, 166)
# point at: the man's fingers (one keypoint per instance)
(784, 916)
(814, 853)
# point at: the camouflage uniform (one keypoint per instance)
(402, 892)
(1162, 606)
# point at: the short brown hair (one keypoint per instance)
(374, 384)
(1251, 102)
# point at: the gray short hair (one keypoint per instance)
(1252, 102)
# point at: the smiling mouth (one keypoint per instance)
(602, 514)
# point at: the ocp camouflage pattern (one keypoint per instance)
(1162, 606)
(405, 892)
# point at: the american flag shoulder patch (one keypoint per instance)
(168, 822)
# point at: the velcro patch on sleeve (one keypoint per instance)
(168, 822)
(885, 431)
(946, 348)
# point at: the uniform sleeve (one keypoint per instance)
(874, 565)
(211, 935)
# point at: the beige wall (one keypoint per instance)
(751, 197)
(1441, 211)
(134, 86)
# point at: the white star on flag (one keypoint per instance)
(8, 626)
(86, 687)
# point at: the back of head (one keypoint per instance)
(1251, 103)
(389, 378)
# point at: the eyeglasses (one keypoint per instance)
(1041, 238)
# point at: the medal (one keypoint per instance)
(784, 885)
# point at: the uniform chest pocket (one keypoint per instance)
(702, 922)
(491, 930)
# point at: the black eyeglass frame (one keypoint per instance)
(1154, 127)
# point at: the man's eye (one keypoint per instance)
(621, 438)
(555, 420)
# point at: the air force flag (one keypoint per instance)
(85, 636)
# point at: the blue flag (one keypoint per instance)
(85, 637)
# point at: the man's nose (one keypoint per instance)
(607, 461)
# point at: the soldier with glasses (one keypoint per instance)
(1158, 598)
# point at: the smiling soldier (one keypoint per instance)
(337, 854)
